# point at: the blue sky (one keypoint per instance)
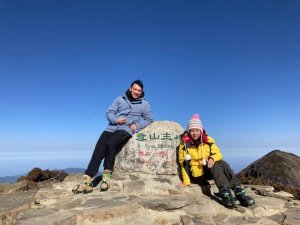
(62, 63)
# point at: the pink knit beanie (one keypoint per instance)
(195, 123)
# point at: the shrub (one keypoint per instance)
(39, 175)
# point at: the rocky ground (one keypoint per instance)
(15, 200)
(136, 198)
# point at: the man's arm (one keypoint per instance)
(147, 117)
(112, 111)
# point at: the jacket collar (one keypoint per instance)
(129, 97)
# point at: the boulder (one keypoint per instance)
(153, 150)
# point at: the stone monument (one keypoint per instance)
(152, 150)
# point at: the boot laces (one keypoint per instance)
(226, 194)
(106, 177)
(239, 191)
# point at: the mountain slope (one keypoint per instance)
(277, 168)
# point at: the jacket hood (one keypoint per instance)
(185, 137)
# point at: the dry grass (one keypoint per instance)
(39, 175)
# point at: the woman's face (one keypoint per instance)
(195, 133)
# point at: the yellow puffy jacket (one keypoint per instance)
(203, 151)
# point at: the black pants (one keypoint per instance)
(221, 173)
(108, 146)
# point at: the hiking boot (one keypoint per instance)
(235, 201)
(227, 198)
(242, 197)
(85, 187)
(106, 176)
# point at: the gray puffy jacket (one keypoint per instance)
(137, 111)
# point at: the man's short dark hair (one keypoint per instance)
(138, 82)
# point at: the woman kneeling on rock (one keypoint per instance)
(201, 160)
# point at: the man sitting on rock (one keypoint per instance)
(127, 115)
(200, 157)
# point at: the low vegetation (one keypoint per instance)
(39, 175)
(277, 186)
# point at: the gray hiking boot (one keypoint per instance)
(85, 186)
(227, 198)
(244, 199)
(105, 182)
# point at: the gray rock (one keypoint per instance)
(152, 150)
(164, 204)
(137, 186)
(186, 220)
(108, 213)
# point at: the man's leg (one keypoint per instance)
(86, 185)
(114, 146)
(99, 154)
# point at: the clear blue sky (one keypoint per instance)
(62, 63)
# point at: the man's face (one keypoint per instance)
(136, 91)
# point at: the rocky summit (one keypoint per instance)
(145, 189)
(137, 198)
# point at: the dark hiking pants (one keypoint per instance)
(108, 146)
(222, 174)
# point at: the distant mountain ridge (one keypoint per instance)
(13, 179)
